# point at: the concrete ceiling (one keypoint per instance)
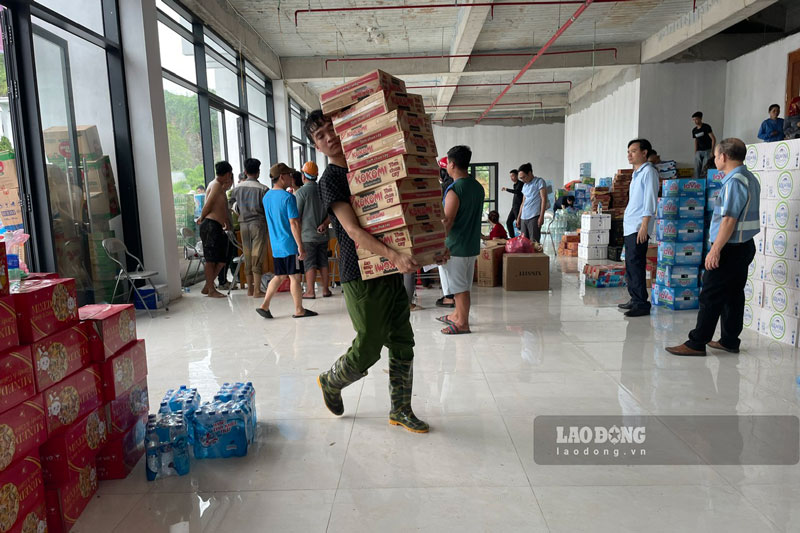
(307, 52)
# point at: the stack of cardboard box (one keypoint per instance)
(391, 155)
(490, 263)
(620, 188)
(568, 246)
(594, 236)
(601, 198)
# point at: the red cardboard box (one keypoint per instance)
(408, 237)
(373, 106)
(401, 215)
(36, 519)
(393, 169)
(66, 502)
(41, 275)
(399, 143)
(22, 430)
(61, 354)
(385, 125)
(44, 306)
(376, 266)
(4, 282)
(124, 370)
(17, 382)
(401, 191)
(21, 490)
(74, 448)
(73, 398)
(351, 92)
(115, 326)
(119, 457)
(8, 324)
(123, 412)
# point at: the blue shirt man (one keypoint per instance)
(739, 198)
(642, 199)
(532, 205)
(280, 207)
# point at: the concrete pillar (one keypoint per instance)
(282, 116)
(149, 140)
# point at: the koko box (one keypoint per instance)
(392, 169)
(402, 191)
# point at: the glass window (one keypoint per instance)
(256, 101)
(254, 73)
(8, 164)
(217, 135)
(219, 47)
(259, 149)
(233, 142)
(222, 81)
(297, 127)
(174, 15)
(298, 154)
(177, 54)
(87, 13)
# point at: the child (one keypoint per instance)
(498, 231)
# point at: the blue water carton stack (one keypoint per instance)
(166, 445)
(583, 195)
(185, 400)
(680, 234)
(226, 426)
(667, 170)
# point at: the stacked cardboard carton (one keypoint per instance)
(772, 292)
(680, 235)
(595, 228)
(601, 198)
(490, 263)
(620, 189)
(667, 170)
(390, 151)
(569, 244)
(604, 276)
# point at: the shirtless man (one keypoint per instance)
(213, 224)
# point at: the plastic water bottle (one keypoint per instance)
(152, 452)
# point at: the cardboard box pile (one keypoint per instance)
(569, 244)
(604, 276)
(667, 170)
(61, 379)
(772, 292)
(680, 234)
(490, 263)
(620, 189)
(526, 272)
(391, 155)
(594, 235)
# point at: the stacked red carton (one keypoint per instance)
(390, 151)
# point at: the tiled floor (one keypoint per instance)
(567, 351)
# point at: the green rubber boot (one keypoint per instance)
(401, 378)
(334, 380)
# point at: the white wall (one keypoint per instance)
(542, 145)
(600, 125)
(669, 94)
(754, 81)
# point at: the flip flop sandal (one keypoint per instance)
(264, 312)
(309, 297)
(327, 295)
(452, 329)
(440, 303)
(444, 320)
(308, 312)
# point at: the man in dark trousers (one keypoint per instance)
(704, 141)
(733, 225)
(516, 190)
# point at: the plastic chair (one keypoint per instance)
(115, 246)
(236, 260)
(192, 250)
(546, 231)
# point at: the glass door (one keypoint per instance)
(486, 174)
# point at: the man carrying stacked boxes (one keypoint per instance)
(387, 221)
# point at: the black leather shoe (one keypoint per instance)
(626, 305)
(637, 312)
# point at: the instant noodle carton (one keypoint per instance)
(399, 143)
(22, 430)
(349, 93)
(8, 324)
(66, 501)
(60, 354)
(72, 398)
(409, 237)
(119, 457)
(124, 370)
(21, 494)
(392, 169)
(376, 266)
(44, 307)
(403, 191)
(401, 215)
(373, 106)
(73, 448)
(385, 125)
(115, 326)
(123, 412)
(17, 382)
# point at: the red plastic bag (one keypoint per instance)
(519, 245)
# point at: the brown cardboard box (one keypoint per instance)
(384, 125)
(351, 92)
(399, 143)
(373, 106)
(401, 215)
(393, 169)
(408, 237)
(8, 171)
(401, 191)
(10, 208)
(526, 272)
(376, 266)
(56, 143)
(490, 262)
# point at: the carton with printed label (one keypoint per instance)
(595, 222)
(22, 430)
(782, 243)
(680, 253)
(384, 126)
(594, 238)
(683, 187)
(57, 356)
(754, 293)
(9, 337)
(74, 448)
(667, 208)
(66, 501)
(373, 106)
(114, 324)
(691, 207)
(17, 381)
(377, 266)
(122, 413)
(416, 235)
(401, 215)
(592, 252)
(22, 495)
(44, 307)
(779, 185)
(779, 271)
(677, 276)
(783, 300)
(400, 143)
(780, 214)
(688, 230)
(392, 169)
(406, 190)
(124, 370)
(353, 91)
(778, 327)
(118, 458)
(677, 298)
(782, 155)
(72, 398)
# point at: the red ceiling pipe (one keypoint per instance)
(490, 5)
(539, 54)
(457, 85)
(443, 56)
(489, 118)
(540, 104)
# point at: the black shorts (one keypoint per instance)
(287, 266)
(215, 242)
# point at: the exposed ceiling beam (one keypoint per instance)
(312, 69)
(303, 95)
(693, 27)
(470, 24)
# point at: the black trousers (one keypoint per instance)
(635, 271)
(722, 298)
(512, 217)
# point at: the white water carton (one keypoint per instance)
(592, 252)
(595, 222)
(782, 300)
(594, 238)
(780, 214)
(782, 243)
(778, 327)
(784, 272)
(754, 293)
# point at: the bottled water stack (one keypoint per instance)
(166, 445)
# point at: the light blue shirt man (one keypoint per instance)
(532, 206)
(642, 199)
(740, 199)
